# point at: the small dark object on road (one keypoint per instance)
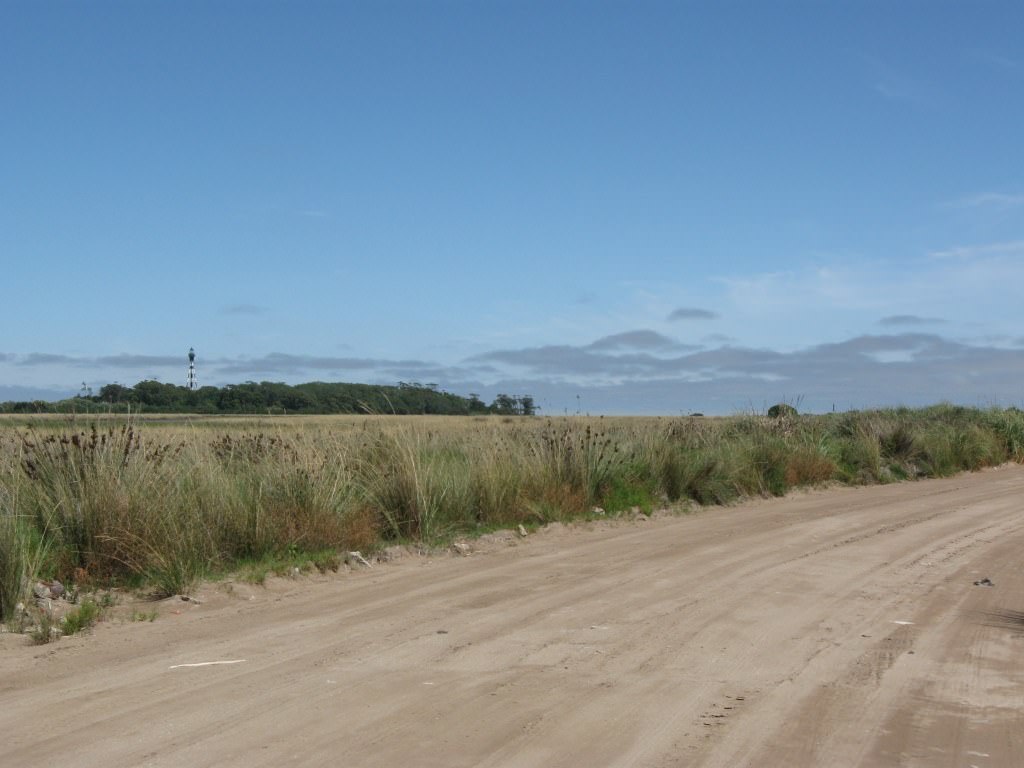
(986, 582)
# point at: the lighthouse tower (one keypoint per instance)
(190, 383)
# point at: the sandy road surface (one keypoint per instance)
(835, 628)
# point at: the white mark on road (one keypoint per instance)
(206, 663)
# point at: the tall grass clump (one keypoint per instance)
(1008, 425)
(947, 449)
(498, 479)
(418, 483)
(106, 501)
(577, 465)
(269, 494)
(708, 476)
(16, 569)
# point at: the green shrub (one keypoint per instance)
(82, 618)
(706, 477)
(859, 458)
(766, 463)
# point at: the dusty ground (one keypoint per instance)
(835, 628)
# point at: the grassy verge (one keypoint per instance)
(163, 505)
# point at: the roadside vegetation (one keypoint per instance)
(96, 503)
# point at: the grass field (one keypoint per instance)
(162, 503)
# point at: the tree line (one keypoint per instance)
(404, 398)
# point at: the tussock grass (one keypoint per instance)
(162, 504)
(82, 618)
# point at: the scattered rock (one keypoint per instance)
(358, 558)
(462, 547)
(598, 510)
(50, 590)
(522, 531)
(394, 552)
(986, 582)
(504, 537)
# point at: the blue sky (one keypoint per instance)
(658, 207)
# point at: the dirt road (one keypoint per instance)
(834, 628)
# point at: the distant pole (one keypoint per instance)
(191, 381)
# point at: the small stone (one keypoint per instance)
(522, 530)
(394, 552)
(357, 557)
(461, 547)
(598, 510)
(56, 589)
(41, 590)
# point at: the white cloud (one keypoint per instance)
(1012, 247)
(999, 201)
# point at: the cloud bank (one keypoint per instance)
(638, 371)
(897, 320)
(691, 313)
